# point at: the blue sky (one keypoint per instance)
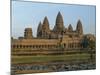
(29, 14)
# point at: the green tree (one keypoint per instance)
(92, 44)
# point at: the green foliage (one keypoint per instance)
(88, 43)
(92, 44)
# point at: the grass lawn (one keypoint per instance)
(47, 58)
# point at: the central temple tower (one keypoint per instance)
(59, 25)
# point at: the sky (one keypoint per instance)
(25, 14)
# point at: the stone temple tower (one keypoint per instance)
(79, 28)
(39, 29)
(70, 28)
(59, 25)
(44, 30)
(46, 24)
(28, 33)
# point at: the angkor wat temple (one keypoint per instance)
(51, 41)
